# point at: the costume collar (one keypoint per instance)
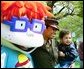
(8, 44)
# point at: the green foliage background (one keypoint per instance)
(72, 21)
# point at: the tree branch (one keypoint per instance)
(60, 10)
(64, 16)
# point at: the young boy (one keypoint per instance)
(67, 50)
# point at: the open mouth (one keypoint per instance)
(23, 48)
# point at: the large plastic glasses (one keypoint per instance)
(22, 25)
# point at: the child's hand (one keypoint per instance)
(61, 54)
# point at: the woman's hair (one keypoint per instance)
(63, 33)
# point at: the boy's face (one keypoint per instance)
(67, 39)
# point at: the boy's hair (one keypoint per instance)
(63, 33)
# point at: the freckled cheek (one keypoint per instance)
(8, 36)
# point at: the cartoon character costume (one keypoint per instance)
(22, 25)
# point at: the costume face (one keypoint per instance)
(18, 29)
(23, 35)
(22, 25)
(66, 39)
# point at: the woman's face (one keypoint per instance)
(66, 39)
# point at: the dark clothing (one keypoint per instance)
(44, 57)
(69, 51)
(80, 50)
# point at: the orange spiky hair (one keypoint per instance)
(33, 10)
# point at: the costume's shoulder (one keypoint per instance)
(5, 49)
(4, 55)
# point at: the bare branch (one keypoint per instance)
(65, 16)
(60, 10)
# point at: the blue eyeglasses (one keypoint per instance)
(22, 24)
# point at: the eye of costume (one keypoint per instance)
(37, 27)
(22, 24)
